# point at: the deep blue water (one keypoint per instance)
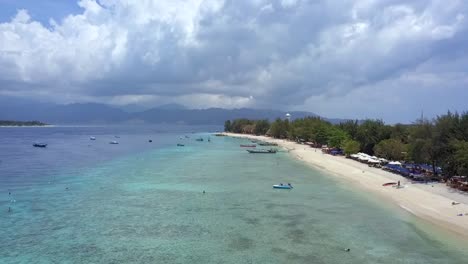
(70, 149)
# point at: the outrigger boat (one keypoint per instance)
(262, 151)
(281, 186)
(267, 144)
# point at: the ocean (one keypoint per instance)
(84, 201)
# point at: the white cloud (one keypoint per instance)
(285, 53)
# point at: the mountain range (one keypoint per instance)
(94, 113)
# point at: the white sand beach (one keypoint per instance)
(430, 202)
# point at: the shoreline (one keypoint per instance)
(429, 202)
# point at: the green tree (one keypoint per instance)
(261, 127)
(460, 160)
(350, 127)
(391, 149)
(351, 147)
(227, 126)
(337, 137)
(279, 128)
(371, 132)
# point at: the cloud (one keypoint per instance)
(330, 57)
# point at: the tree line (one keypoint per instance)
(442, 141)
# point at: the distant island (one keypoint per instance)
(21, 123)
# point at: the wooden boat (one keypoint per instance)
(281, 186)
(199, 139)
(389, 184)
(39, 145)
(180, 145)
(262, 151)
(267, 144)
(248, 146)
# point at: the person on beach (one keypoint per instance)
(398, 183)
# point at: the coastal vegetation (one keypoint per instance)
(440, 142)
(21, 123)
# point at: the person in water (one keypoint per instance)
(347, 249)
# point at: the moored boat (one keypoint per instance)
(267, 144)
(282, 186)
(40, 145)
(92, 138)
(199, 139)
(262, 151)
(180, 145)
(113, 142)
(389, 184)
(248, 146)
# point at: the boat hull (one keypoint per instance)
(261, 151)
(286, 187)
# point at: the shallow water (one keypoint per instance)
(138, 202)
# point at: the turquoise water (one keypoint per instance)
(148, 206)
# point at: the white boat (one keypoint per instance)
(92, 138)
(281, 186)
(114, 142)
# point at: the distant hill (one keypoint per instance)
(21, 123)
(93, 113)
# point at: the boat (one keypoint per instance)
(281, 186)
(248, 146)
(389, 184)
(92, 138)
(180, 145)
(40, 145)
(150, 141)
(262, 151)
(267, 144)
(113, 142)
(117, 136)
(199, 139)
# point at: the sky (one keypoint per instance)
(385, 59)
